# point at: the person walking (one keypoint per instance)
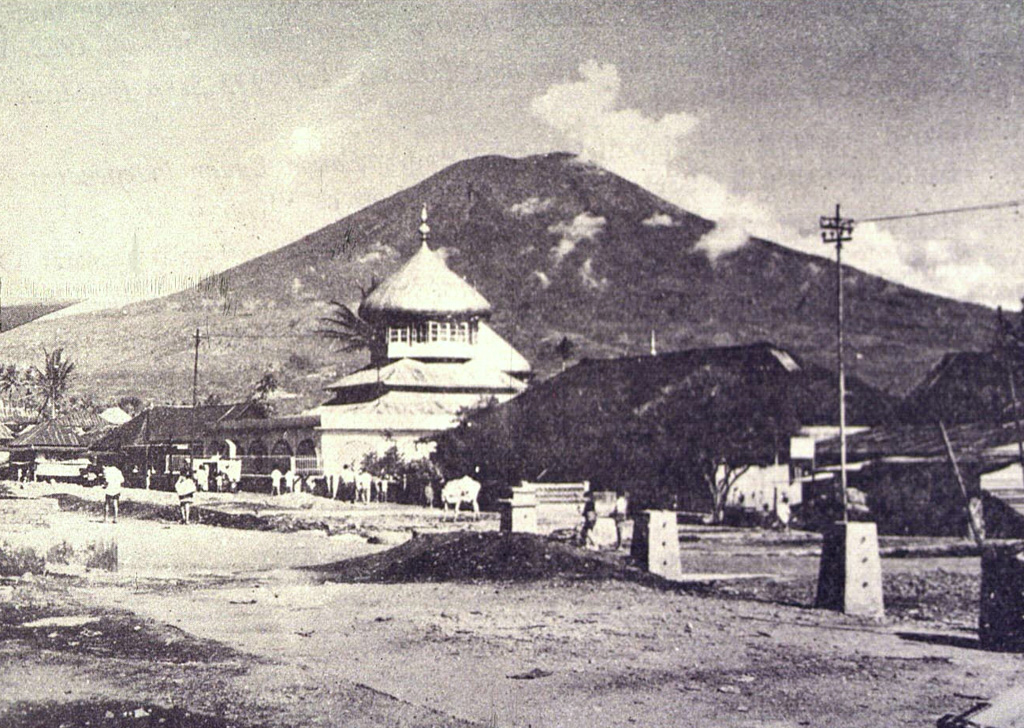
(620, 515)
(589, 521)
(185, 487)
(113, 481)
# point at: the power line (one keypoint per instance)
(947, 211)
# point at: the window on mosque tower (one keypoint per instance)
(460, 332)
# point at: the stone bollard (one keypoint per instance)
(850, 574)
(519, 513)
(1001, 617)
(656, 543)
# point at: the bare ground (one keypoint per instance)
(267, 628)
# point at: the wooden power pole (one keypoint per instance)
(836, 231)
(195, 400)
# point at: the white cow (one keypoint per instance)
(459, 491)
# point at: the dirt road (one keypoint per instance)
(549, 653)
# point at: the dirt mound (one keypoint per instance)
(480, 556)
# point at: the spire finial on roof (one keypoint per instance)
(424, 228)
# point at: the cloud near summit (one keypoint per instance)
(646, 150)
(650, 151)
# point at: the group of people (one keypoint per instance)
(288, 482)
(348, 483)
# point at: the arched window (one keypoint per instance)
(257, 460)
(281, 456)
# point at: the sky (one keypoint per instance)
(145, 143)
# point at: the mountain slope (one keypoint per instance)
(560, 248)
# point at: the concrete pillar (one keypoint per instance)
(519, 513)
(656, 543)
(1001, 618)
(850, 574)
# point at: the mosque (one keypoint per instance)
(433, 356)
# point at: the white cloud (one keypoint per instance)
(531, 206)
(650, 151)
(726, 237)
(305, 142)
(582, 227)
(590, 279)
(446, 252)
(659, 219)
(641, 148)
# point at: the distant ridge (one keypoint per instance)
(561, 248)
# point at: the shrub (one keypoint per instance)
(15, 561)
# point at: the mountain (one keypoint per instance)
(562, 248)
(20, 314)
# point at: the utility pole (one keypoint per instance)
(195, 398)
(836, 231)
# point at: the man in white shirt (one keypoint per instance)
(113, 481)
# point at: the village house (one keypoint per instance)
(157, 440)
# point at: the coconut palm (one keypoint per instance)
(347, 328)
(52, 381)
(10, 379)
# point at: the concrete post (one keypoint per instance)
(656, 543)
(850, 574)
(519, 513)
(1001, 618)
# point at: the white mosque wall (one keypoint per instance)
(348, 448)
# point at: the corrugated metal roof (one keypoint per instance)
(978, 441)
(494, 351)
(50, 434)
(398, 411)
(424, 286)
(413, 374)
(170, 424)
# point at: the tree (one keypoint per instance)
(11, 380)
(346, 326)
(264, 387)
(716, 424)
(565, 350)
(53, 380)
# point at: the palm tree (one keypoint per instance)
(53, 379)
(346, 327)
(10, 380)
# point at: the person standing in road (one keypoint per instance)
(185, 487)
(113, 482)
(620, 515)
